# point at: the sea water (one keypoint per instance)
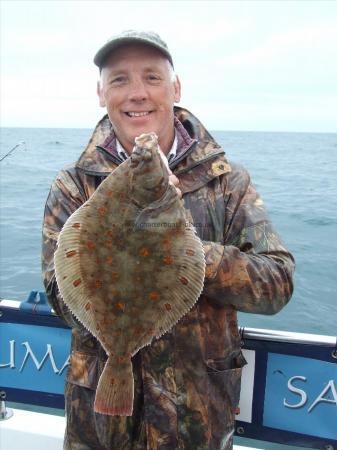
(295, 173)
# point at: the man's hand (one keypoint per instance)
(175, 182)
(172, 178)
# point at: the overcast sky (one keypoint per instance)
(244, 65)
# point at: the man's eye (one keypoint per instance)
(117, 80)
(152, 77)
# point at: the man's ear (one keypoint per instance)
(177, 90)
(100, 95)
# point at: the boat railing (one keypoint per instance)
(288, 388)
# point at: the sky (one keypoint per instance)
(243, 65)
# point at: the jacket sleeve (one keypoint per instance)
(252, 270)
(64, 198)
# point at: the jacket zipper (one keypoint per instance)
(109, 155)
(187, 151)
(191, 166)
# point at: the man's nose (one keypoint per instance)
(138, 91)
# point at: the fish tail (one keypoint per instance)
(114, 395)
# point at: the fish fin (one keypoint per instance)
(114, 395)
(188, 283)
(68, 271)
(179, 286)
(153, 210)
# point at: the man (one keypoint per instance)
(187, 383)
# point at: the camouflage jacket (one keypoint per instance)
(187, 382)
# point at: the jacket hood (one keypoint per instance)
(204, 151)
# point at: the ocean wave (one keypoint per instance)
(320, 221)
(54, 143)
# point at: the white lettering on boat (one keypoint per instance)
(11, 363)
(298, 391)
(322, 396)
(38, 365)
(29, 353)
(66, 364)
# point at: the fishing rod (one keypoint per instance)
(12, 149)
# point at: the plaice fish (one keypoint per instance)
(129, 266)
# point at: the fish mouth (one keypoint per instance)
(143, 150)
(139, 157)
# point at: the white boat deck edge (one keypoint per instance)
(31, 430)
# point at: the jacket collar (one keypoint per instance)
(109, 146)
(199, 158)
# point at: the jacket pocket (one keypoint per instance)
(224, 380)
(83, 370)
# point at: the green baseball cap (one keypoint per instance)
(130, 37)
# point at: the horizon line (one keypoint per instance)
(210, 130)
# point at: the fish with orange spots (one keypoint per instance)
(129, 266)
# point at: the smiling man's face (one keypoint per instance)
(138, 91)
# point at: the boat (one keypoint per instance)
(288, 389)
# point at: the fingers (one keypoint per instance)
(179, 192)
(175, 182)
(172, 178)
(164, 159)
